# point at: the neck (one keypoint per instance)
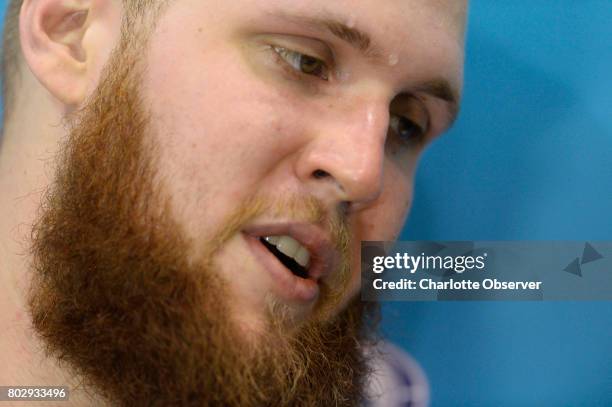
(29, 144)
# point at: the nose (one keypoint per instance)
(345, 154)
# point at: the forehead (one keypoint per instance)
(450, 13)
(442, 14)
(426, 37)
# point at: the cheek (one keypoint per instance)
(219, 129)
(385, 219)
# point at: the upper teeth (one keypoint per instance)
(291, 248)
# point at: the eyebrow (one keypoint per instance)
(439, 88)
(353, 36)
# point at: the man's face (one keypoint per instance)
(200, 241)
(271, 98)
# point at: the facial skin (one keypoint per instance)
(200, 137)
(238, 120)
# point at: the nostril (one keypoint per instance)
(318, 174)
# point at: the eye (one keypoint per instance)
(407, 130)
(303, 63)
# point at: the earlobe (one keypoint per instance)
(51, 34)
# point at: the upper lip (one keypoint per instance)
(324, 257)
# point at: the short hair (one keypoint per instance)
(11, 50)
(11, 54)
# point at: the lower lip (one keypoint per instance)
(287, 285)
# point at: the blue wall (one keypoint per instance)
(529, 159)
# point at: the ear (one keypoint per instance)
(66, 42)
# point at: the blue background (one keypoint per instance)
(529, 159)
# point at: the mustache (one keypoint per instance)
(306, 209)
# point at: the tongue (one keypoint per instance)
(287, 261)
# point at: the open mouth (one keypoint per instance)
(298, 257)
(290, 253)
